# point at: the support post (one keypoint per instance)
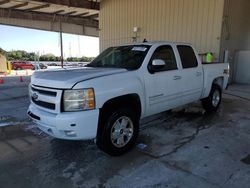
(61, 42)
(9, 67)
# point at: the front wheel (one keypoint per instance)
(212, 102)
(119, 133)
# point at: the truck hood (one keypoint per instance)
(66, 78)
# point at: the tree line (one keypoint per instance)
(31, 56)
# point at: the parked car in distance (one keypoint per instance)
(20, 65)
(39, 66)
(42, 66)
(106, 99)
(53, 64)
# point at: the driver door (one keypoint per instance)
(163, 85)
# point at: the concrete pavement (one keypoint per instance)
(183, 148)
(239, 90)
(14, 97)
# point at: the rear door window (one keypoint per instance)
(187, 55)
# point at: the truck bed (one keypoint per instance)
(214, 70)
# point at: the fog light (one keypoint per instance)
(70, 133)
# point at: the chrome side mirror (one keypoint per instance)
(156, 66)
(158, 63)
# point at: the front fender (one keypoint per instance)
(113, 86)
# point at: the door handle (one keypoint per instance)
(177, 78)
(198, 73)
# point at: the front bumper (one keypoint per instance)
(67, 125)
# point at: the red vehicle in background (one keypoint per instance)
(20, 65)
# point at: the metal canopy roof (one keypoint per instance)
(79, 12)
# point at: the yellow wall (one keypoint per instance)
(195, 21)
(3, 63)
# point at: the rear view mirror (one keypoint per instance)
(157, 65)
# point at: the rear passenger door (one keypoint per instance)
(163, 88)
(192, 74)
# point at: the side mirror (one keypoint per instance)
(157, 65)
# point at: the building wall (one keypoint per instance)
(236, 38)
(195, 21)
(241, 73)
(236, 25)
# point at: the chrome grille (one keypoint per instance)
(48, 99)
(51, 93)
(44, 104)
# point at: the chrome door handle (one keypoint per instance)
(177, 78)
(198, 73)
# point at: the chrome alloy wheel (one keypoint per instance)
(122, 131)
(216, 98)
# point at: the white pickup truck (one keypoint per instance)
(106, 99)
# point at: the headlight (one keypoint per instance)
(76, 100)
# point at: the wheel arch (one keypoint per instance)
(218, 81)
(208, 87)
(128, 100)
(208, 103)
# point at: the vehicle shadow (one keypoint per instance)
(170, 131)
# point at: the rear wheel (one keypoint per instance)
(212, 102)
(118, 132)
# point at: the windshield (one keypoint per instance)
(128, 57)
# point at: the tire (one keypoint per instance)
(114, 137)
(212, 102)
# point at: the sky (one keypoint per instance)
(43, 42)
